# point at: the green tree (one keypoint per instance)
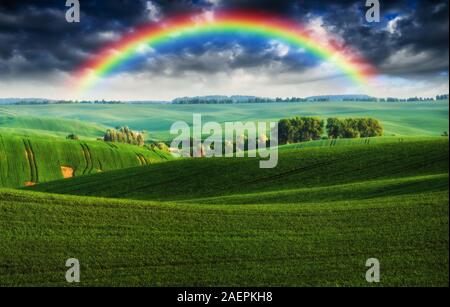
(375, 128)
(350, 128)
(334, 128)
(299, 129)
(140, 140)
(284, 131)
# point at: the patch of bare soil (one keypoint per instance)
(67, 171)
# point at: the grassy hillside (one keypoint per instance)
(32, 160)
(411, 118)
(313, 221)
(48, 126)
(126, 243)
(306, 174)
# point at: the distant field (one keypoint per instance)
(313, 221)
(409, 118)
(33, 160)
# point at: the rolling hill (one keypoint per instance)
(313, 221)
(31, 160)
(362, 168)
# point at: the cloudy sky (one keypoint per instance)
(39, 50)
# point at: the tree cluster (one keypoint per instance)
(124, 135)
(353, 127)
(299, 129)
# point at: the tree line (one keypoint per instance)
(301, 129)
(251, 99)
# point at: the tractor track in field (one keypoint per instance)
(160, 155)
(4, 169)
(141, 159)
(34, 175)
(110, 144)
(88, 150)
(88, 158)
(100, 165)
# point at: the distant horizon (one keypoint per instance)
(350, 96)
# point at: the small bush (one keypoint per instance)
(72, 137)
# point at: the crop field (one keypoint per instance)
(311, 222)
(28, 161)
(409, 118)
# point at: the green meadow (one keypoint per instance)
(138, 217)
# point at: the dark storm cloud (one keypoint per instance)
(420, 31)
(35, 37)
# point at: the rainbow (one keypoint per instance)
(197, 25)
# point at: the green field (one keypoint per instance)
(408, 118)
(38, 159)
(313, 221)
